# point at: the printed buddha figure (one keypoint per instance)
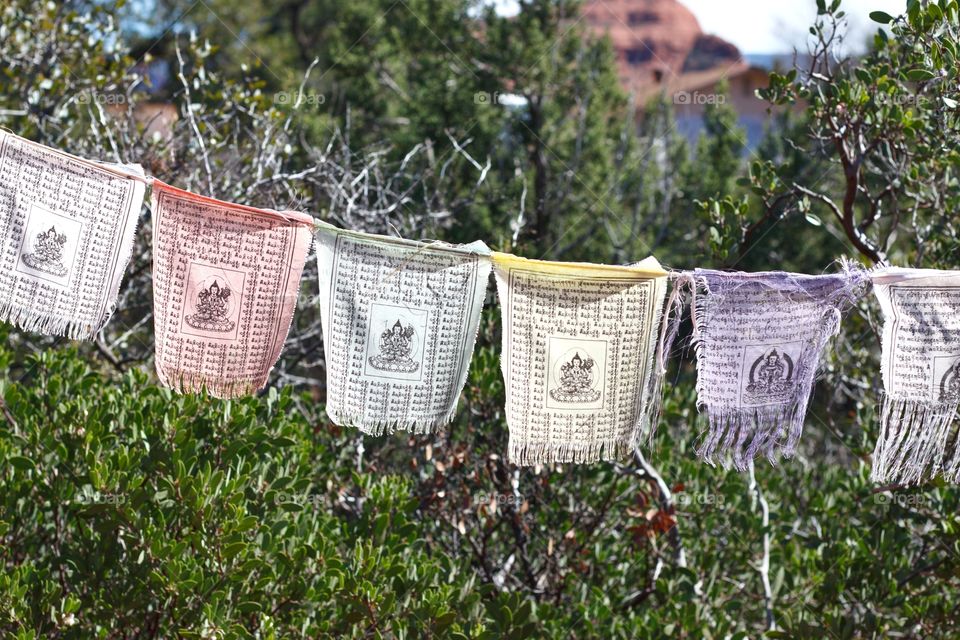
(950, 384)
(770, 372)
(47, 253)
(395, 347)
(575, 374)
(576, 381)
(212, 309)
(771, 378)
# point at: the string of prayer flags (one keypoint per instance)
(920, 367)
(226, 280)
(66, 237)
(399, 320)
(578, 356)
(584, 345)
(759, 339)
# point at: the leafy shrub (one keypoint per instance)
(128, 511)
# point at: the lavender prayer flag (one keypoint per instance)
(759, 339)
(921, 375)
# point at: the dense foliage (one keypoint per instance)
(129, 512)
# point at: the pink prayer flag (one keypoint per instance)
(226, 279)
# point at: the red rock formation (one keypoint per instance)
(659, 42)
(709, 52)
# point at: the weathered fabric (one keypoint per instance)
(920, 366)
(578, 356)
(66, 235)
(400, 320)
(759, 339)
(225, 283)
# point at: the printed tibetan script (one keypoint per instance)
(399, 322)
(226, 281)
(578, 356)
(920, 366)
(67, 235)
(759, 339)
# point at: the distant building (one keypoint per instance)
(662, 50)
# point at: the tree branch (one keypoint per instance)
(758, 499)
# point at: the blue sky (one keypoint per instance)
(773, 26)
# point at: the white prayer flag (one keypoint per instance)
(920, 365)
(578, 356)
(66, 235)
(399, 321)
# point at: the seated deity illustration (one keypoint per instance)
(47, 255)
(212, 309)
(576, 381)
(950, 384)
(771, 378)
(396, 347)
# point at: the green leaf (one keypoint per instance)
(444, 620)
(291, 507)
(96, 509)
(919, 75)
(21, 463)
(881, 16)
(231, 550)
(284, 442)
(250, 606)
